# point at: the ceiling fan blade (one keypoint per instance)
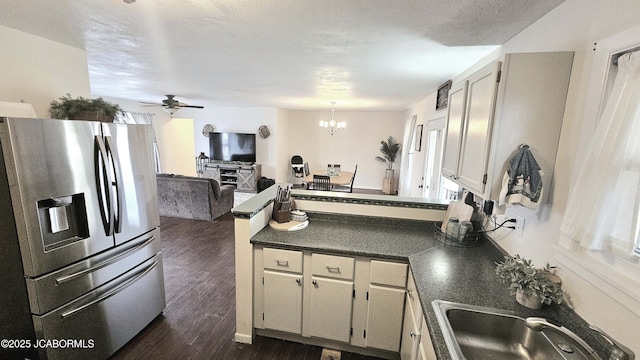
(192, 106)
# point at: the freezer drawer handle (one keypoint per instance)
(110, 293)
(65, 278)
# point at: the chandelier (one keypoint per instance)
(332, 126)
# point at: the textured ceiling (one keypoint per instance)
(294, 54)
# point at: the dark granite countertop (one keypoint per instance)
(441, 272)
(354, 235)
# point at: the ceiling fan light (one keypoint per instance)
(170, 110)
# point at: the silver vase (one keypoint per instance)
(530, 300)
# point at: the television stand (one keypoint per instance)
(243, 176)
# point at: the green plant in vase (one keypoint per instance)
(532, 286)
(67, 107)
(389, 150)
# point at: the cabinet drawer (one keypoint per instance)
(388, 273)
(283, 260)
(339, 267)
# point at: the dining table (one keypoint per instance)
(340, 178)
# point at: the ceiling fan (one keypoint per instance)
(172, 105)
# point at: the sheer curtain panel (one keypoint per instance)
(602, 209)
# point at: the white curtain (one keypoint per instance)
(602, 209)
(406, 162)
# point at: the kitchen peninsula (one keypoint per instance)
(370, 237)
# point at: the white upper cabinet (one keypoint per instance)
(453, 141)
(518, 100)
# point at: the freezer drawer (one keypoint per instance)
(104, 320)
(52, 290)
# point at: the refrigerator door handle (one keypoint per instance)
(61, 279)
(117, 182)
(110, 293)
(102, 181)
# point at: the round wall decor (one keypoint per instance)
(264, 131)
(207, 129)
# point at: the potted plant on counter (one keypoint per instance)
(81, 108)
(532, 286)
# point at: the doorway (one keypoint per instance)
(432, 186)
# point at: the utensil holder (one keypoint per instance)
(281, 211)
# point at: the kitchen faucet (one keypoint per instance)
(538, 324)
(618, 351)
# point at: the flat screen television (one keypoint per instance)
(226, 146)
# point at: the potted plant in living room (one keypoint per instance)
(389, 150)
(532, 286)
(81, 108)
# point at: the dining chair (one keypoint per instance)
(345, 188)
(321, 183)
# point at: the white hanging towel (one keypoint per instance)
(522, 182)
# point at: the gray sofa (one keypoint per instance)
(192, 197)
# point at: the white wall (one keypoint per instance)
(575, 26)
(358, 144)
(38, 71)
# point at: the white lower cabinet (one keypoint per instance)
(409, 349)
(426, 346)
(283, 301)
(356, 301)
(384, 318)
(331, 306)
(416, 341)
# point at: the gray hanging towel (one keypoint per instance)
(522, 183)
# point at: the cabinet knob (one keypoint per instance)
(410, 293)
(314, 283)
(414, 334)
(298, 280)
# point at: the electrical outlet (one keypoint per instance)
(519, 225)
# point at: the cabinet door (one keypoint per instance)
(410, 335)
(453, 140)
(283, 301)
(426, 346)
(246, 180)
(384, 317)
(212, 172)
(331, 307)
(478, 124)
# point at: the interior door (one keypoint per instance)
(434, 145)
(136, 206)
(51, 163)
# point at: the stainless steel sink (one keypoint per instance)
(473, 332)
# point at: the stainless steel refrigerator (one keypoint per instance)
(80, 253)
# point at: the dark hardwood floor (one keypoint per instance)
(199, 320)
